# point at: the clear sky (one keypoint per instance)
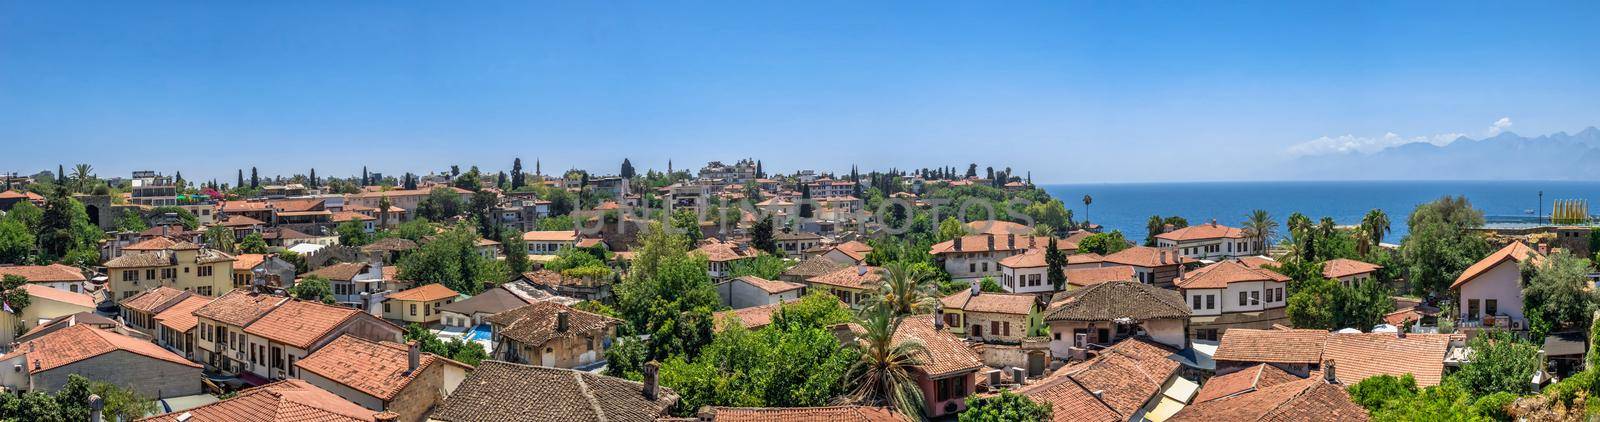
(1071, 91)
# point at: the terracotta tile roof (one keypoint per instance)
(752, 318)
(945, 353)
(419, 191)
(1082, 277)
(58, 295)
(290, 400)
(1271, 346)
(1145, 256)
(1033, 258)
(1085, 258)
(343, 271)
(551, 278)
(1206, 231)
(589, 243)
(716, 251)
(390, 244)
(854, 277)
(491, 301)
(535, 323)
(155, 300)
(241, 221)
(140, 260)
(300, 323)
(284, 233)
(498, 391)
(812, 267)
(157, 243)
(425, 293)
(377, 369)
(242, 206)
(343, 216)
(1516, 251)
(998, 227)
(1257, 377)
(180, 317)
(1127, 374)
(1343, 267)
(855, 246)
(1258, 261)
(770, 286)
(1357, 356)
(239, 307)
(805, 414)
(796, 236)
(980, 243)
(1309, 399)
(1223, 273)
(44, 273)
(1116, 299)
(76, 343)
(550, 236)
(248, 261)
(993, 303)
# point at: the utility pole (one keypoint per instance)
(1540, 215)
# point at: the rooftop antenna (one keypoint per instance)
(1540, 216)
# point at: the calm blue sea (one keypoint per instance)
(1126, 206)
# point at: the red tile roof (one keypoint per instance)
(998, 227)
(1126, 374)
(1343, 267)
(79, 342)
(550, 236)
(378, 369)
(1309, 399)
(1145, 256)
(853, 277)
(945, 354)
(1516, 251)
(770, 286)
(180, 317)
(1221, 274)
(535, 324)
(1357, 356)
(1257, 377)
(247, 261)
(425, 293)
(155, 300)
(300, 323)
(1271, 346)
(239, 307)
(993, 303)
(1082, 277)
(58, 295)
(157, 243)
(980, 243)
(44, 273)
(717, 251)
(291, 400)
(1206, 231)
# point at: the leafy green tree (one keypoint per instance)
(1052, 213)
(27, 214)
(1444, 402)
(988, 285)
(16, 241)
(1556, 295)
(131, 221)
(220, 238)
(118, 403)
(1375, 392)
(556, 223)
(314, 288)
(668, 295)
(1056, 265)
(441, 204)
(1260, 226)
(186, 218)
(37, 406)
(64, 228)
(688, 223)
(950, 228)
(907, 288)
(353, 233)
(1440, 244)
(451, 258)
(414, 230)
(1007, 406)
(764, 266)
(814, 310)
(1103, 243)
(761, 236)
(253, 243)
(1500, 362)
(457, 349)
(516, 250)
(799, 367)
(1318, 302)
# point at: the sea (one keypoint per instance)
(1126, 206)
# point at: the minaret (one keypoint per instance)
(536, 170)
(669, 166)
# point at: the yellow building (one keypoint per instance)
(419, 305)
(183, 266)
(44, 304)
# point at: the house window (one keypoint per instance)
(386, 307)
(130, 276)
(1211, 302)
(203, 290)
(204, 271)
(1006, 326)
(150, 274)
(1255, 297)
(1472, 308)
(413, 309)
(169, 273)
(1196, 302)
(1244, 298)
(1206, 334)
(994, 327)
(972, 268)
(1491, 307)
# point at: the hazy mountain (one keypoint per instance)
(1558, 156)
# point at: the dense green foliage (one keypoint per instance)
(1004, 407)
(457, 349)
(71, 403)
(451, 258)
(314, 288)
(770, 367)
(764, 266)
(1104, 243)
(1501, 362)
(1439, 245)
(668, 295)
(1556, 295)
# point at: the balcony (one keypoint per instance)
(1502, 321)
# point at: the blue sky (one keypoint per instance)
(1071, 91)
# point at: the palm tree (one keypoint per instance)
(1261, 227)
(906, 289)
(80, 176)
(882, 375)
(1153, 227)
(1086, 201)
(1363, 240)
(1376, 224)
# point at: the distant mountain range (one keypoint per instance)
(1558, 156)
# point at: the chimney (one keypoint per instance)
(650, 369)
(164, 230)
(1011, 241)
(1400, 332)
(1327, 372)
(413, 357)
(1019, 375)
(96, 405)
(976, 287)
(938, 318)
(994, 378)
(385, 416)
(561, 321)
(1163, 257)
(1099, 394)
(991, 241)
(861, 270)
(958, 243)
